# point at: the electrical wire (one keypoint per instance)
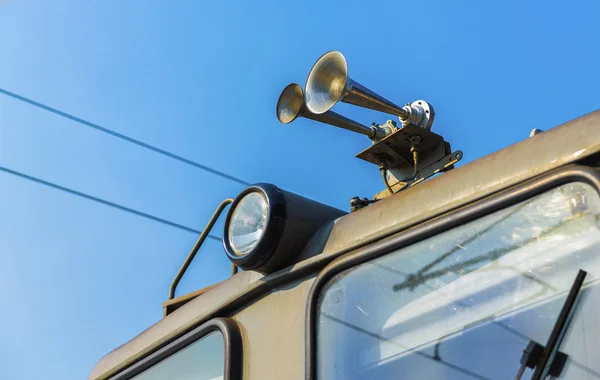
(123, 137)
(104, 202)
(385, 180)
(415, 153)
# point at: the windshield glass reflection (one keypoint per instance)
(466, 303)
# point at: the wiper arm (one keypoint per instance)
(542, 369)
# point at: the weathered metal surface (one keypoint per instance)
(222, 297)
(187, 316)
(562, 145)
(171, 305)
(556, 147)
(273, 334)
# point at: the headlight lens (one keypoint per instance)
(248, 223)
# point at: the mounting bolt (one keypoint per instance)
(415, 139)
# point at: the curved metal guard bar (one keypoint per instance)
(196, 246)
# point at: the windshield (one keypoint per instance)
(466, 303)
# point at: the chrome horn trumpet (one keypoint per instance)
(291, 105)
(328, 82)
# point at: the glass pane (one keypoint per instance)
(465, 304)
(202, 360)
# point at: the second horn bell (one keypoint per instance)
(291, 105)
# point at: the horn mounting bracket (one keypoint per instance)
(395, 153)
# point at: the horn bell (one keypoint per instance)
(328, 82)
(291, 105)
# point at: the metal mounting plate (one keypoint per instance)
(393, 151)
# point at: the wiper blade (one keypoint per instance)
(559, 329)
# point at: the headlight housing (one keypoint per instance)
(266, 227)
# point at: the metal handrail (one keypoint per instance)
(196, 246)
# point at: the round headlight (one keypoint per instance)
(254, 226)
(266, 227)
(248, 223)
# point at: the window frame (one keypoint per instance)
(232, 338)
(472, 211)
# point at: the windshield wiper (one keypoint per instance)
(560, 328)
(547, 360)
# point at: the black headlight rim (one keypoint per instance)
(276, 217)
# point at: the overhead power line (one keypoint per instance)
(123, 137)
(104, 202)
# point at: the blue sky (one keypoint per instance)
(201, 79)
